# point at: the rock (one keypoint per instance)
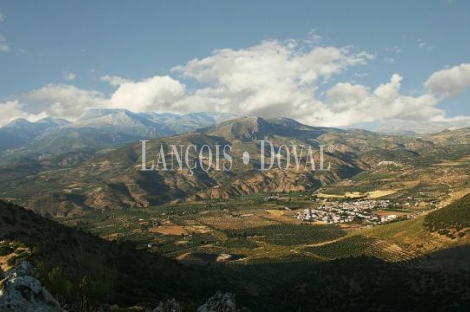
(170, 305)
(21, 292)
(219, 303)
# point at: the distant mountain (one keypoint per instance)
(448, 136)
(20, 131)
(113, 180)
(410, 127)
(96, 129)
(70, 182)
(188, 122)
(150, 125)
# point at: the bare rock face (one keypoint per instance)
(170, 305)
(21, 292)
(220, 302)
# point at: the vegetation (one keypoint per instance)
(452, 220)
(85, 271)
(290, 235)
(354, 246)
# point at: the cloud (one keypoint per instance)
(114, 80)
(449, 82)
(12, 110)
(69, 76)
(270, 62)
(348, 104)
(61, 100)
(422, 44)
(153, 94)
(69, 102)
(2, 18)
(271, 79)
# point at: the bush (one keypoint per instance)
(5, 250)
(455, 216)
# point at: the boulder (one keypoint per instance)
(21, 292)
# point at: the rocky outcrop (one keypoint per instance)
(170, 305)
(21, 292)
(220, 302)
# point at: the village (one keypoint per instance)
(348, 211)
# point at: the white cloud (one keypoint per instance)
(12, 110)
(153, 94)
(114, 80)
(69, 76)
(2, 18)
(270, 62)
(270, 79)
(64, 101)
(449, 82)
(69, 102)
(422, 44)
(348, 104)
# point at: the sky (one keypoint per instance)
(328, 63)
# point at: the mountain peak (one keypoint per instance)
(18, 123)
(100, 112)
(243, 128)
(53, 121)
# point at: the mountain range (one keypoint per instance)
(186, 234)
(97, 129)
(80, 180)
(411, 127)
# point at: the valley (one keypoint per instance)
(394, 204)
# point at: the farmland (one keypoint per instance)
(263, 226)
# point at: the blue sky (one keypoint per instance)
(77, 43)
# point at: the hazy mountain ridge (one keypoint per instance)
(113, 179)
(97, 129)
(110, 182)
(21, 131)
(410, 127)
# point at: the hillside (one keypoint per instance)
(73, 264)
(112, 178)
(452, 220)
